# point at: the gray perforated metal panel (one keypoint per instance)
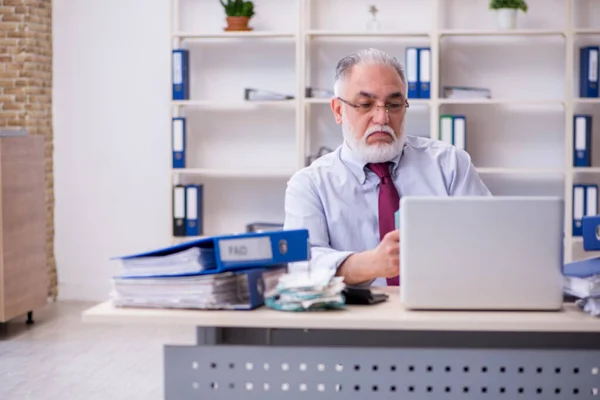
(273, 372)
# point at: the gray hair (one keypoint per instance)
(371, 56)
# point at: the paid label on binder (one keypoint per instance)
(246, 249)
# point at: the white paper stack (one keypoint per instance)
(582, 280)
(186, 262)
(222, 290)
(184, 280)
(305, 290)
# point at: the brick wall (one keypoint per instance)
(26, 88)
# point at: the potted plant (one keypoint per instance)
(506, 12)
(238, 14)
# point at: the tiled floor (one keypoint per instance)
(61, 358)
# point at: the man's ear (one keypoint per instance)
(336, 107)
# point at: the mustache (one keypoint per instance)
(381, 128)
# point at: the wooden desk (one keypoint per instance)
(380, 351)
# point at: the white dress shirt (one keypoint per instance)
(336, 197)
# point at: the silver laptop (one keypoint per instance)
(481, 253)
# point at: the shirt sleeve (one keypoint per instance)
(304, 210)
(464, 180)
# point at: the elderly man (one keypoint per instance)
(347, 198)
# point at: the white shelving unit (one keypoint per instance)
(316, 33)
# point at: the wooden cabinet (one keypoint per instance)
(23, 269)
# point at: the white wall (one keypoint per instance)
(112, 121)
(111, 124)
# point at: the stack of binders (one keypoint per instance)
(220, 272)
(582, 278)
(453, 130)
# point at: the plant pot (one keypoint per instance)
(507, 18)
(238, 24)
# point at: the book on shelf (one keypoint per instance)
(585, 203)
(418, 72)
(188, 210)
(588, 71)
(318, 93)
(253, 94)
(180, 74)
(466, 92)
(178, 141)
(453, 130)
(582, 140)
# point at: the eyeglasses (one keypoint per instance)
(394, 107)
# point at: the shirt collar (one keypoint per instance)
(357, 166)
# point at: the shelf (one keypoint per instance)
(587, 31)
(319, 36)
(521, 171)
(412, 102)
(366, 34)
(234, 105)
(588, 100)
(181, 239)
(234, 35)
(239, 173)
(503, 101)
(512, 32)
(587, 170)
(315, 100)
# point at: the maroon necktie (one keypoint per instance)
(389, 202)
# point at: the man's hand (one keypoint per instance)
(387, 255)
(383, 261)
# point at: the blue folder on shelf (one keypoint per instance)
(582, 140)
(242, 251)
(412, 72)
(424, 72)
(588, 71)
(180, 74)
(178, 136)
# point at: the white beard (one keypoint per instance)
(372, 153)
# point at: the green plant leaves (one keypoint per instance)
(238, 8)
(517, 4)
